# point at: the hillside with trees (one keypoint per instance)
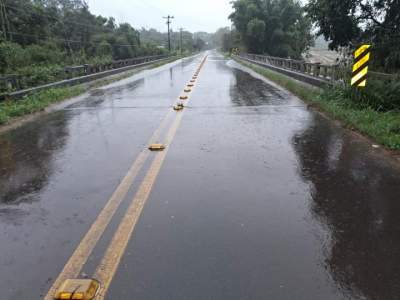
(287, 28)
(279, 28)
(38, 38)
(347, 23)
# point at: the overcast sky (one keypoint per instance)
(193, 15)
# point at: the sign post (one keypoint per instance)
(360, 67)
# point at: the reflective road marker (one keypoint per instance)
(106, 270)
(74, 265)
(360, 67)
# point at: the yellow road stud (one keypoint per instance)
(156, 147)
(77, 289)
(179, 107)
(183, 97)
(187, 90)
(190, 85)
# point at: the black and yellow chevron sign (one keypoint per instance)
(360, 67)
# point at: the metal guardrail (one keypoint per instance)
(11, 82)
(320, 72)
(325, 72)
(98, 74)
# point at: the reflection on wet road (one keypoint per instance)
(355, 197)
(258, 198)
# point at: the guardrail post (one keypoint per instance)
(335, 73)
(317, 69)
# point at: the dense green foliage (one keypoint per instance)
(190, 42)
(39, 38)
(35, 103)
(276, 27)
(380, 95)
(53, 31)
(349, 23)
(227, 39)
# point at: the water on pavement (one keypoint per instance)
(259, 198)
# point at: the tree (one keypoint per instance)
(275, 27)
(38, 38)
(199, 44)
(346, 23)
(71, 30)
(218, 36)
(256, 35)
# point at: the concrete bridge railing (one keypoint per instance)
(313, 73)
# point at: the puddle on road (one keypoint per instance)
(25, 157)
(355, 196)
(249, 91)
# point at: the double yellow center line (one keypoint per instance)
(112, 257)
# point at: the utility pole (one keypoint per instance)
(181, 32)
(169, 32)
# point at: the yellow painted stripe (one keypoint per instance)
(87, 244)
(360, 63)
(361, 50)
(363, 83)
(89, 241)
(108, 266)
(360, 75)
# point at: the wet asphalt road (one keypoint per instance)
(258, 198)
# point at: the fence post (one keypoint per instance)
(317, 69)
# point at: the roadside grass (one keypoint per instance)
(383, 127)
(37, 102)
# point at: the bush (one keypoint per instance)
(12, 56)
(379, 95)
(36, 75)
(103, 49)
(36, 102)
(44, 54)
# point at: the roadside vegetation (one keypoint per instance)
(39, 38)
(36, 102)
(283, 28)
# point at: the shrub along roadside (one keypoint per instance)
(337, 102)
(40, 100)
(35, 103)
